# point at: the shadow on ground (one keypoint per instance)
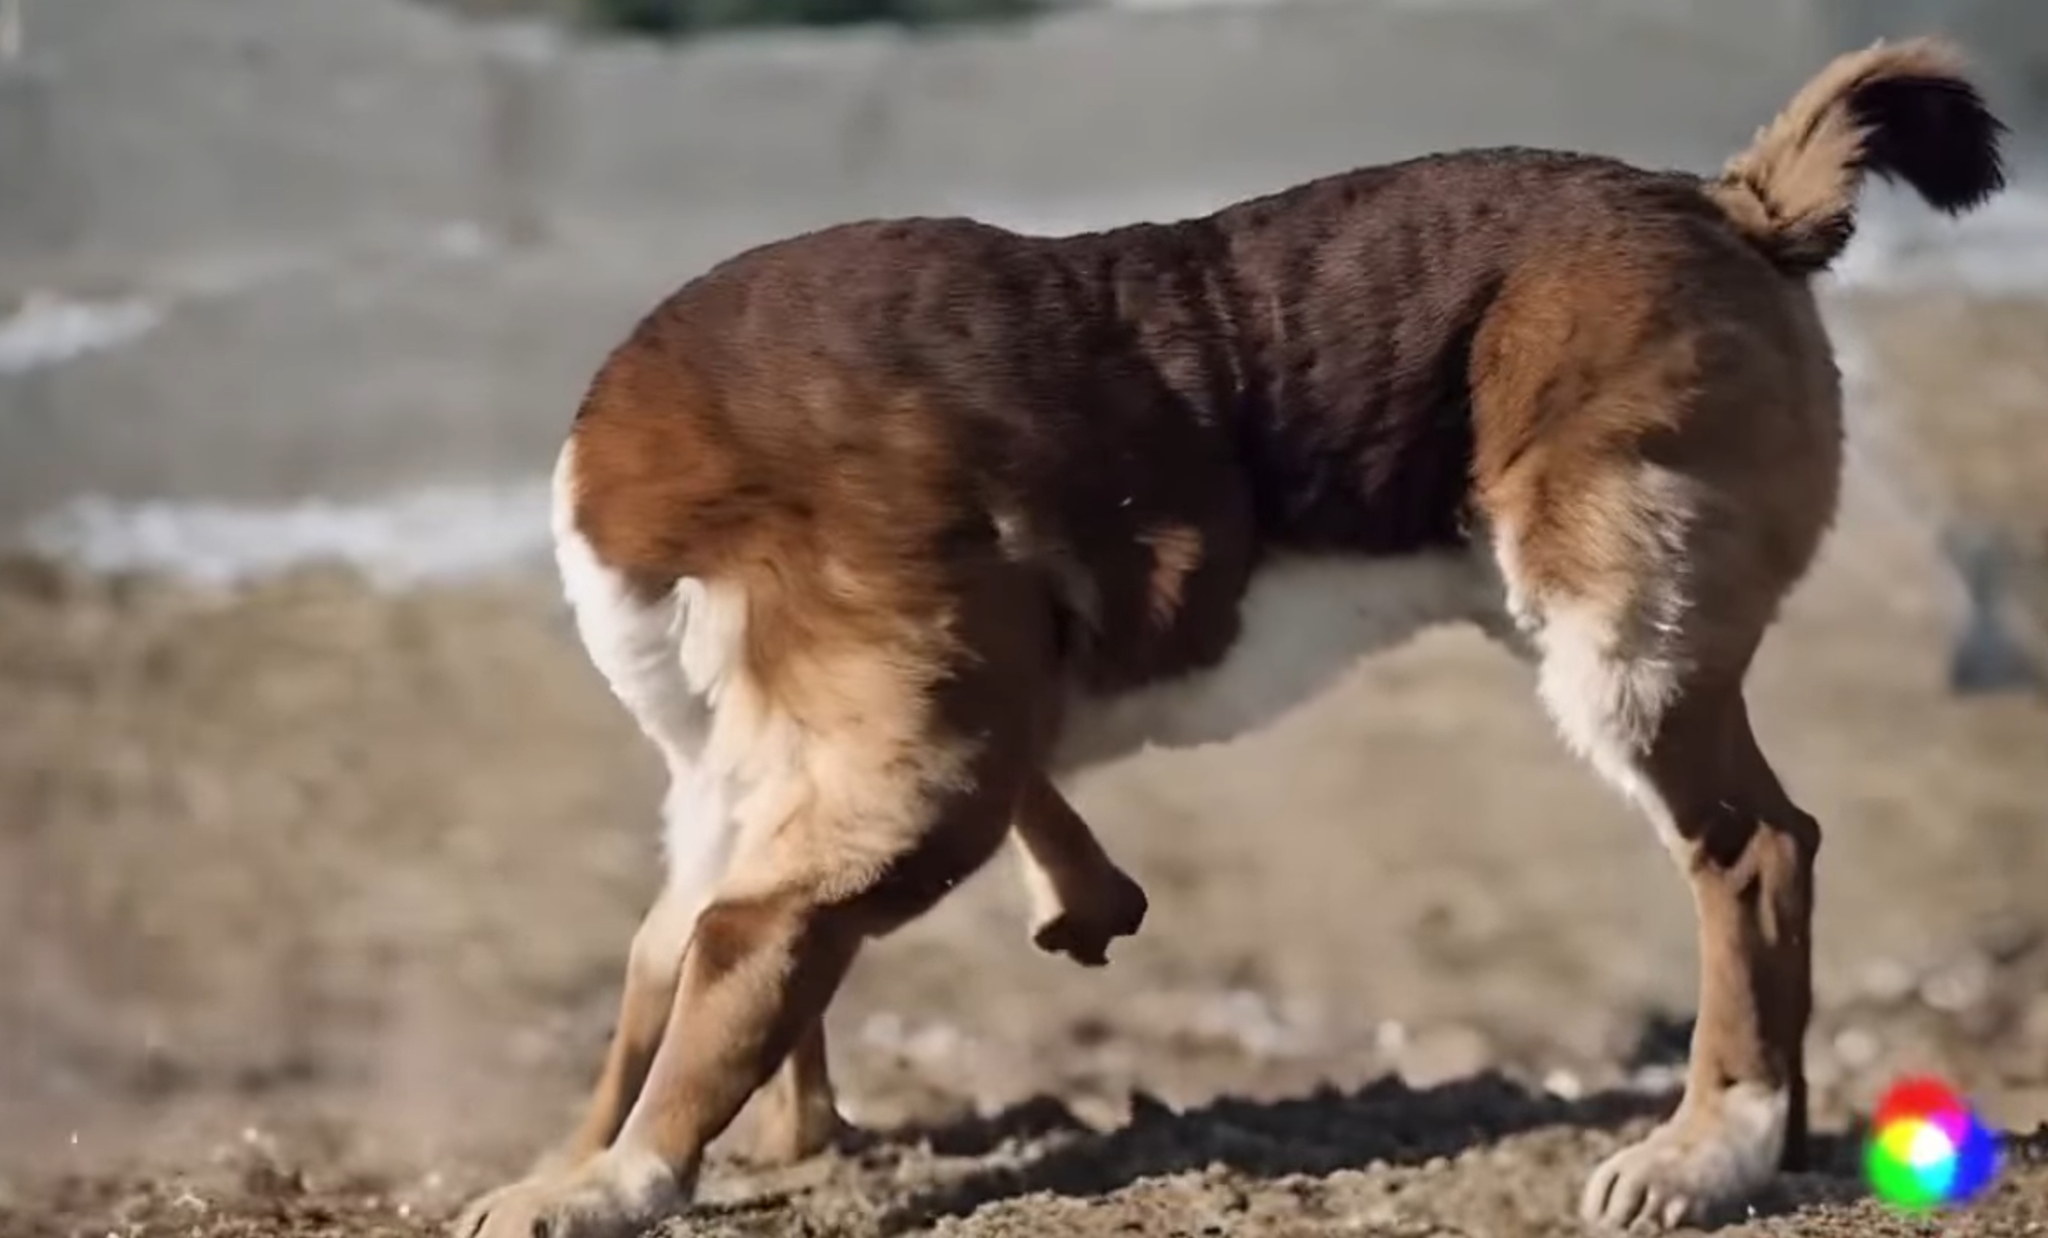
(1035, 1149)
(1322, 1133)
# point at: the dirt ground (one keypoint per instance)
(313, 902)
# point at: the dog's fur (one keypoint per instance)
(877, 528)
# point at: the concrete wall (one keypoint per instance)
(361, 246)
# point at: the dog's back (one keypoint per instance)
(1144, 415)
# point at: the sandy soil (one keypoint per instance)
(312, 904)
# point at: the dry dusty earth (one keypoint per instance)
(312, 904)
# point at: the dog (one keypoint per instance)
(878, 530)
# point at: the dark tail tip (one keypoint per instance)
(1935, 133)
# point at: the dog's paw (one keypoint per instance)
(1698, 1167)
(613, 1195)
(1083, 932)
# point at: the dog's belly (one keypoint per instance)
(1306, 621)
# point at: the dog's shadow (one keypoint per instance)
(1314, 1135)
(1039, 1147)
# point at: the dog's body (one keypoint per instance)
(875, 529)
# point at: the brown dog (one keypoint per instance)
(875, 528)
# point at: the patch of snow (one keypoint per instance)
(47, 329)
(430, 534)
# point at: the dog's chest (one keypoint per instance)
(1305, 622)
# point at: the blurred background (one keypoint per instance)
(320, 843)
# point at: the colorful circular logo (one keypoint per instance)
(1927, 1150)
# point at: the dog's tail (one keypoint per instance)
(1904, 111)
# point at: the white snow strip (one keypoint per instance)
(47, 329)
(439, 533)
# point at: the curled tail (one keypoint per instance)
(1903, 111)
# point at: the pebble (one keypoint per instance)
(1564, 1085)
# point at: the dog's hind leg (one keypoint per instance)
(1642, 648)
(882, 756)
(1080, 899)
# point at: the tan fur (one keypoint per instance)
(1803, 166)
(1793, 189)
(1176, 549)
(907, 504)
